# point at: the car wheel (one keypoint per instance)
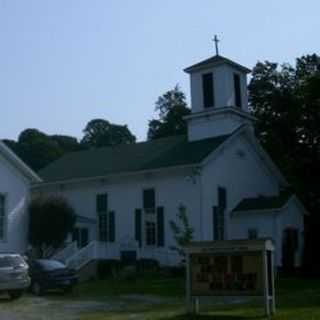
(36, 289)
(15, 294)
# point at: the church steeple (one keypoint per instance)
(219, 97)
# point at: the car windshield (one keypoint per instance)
(50, 264)
(11, 261)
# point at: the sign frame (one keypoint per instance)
(265, 247)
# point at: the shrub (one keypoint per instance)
(51, 220)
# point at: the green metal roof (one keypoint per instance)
(263, 203)
(151, 155)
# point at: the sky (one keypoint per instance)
(66, 62)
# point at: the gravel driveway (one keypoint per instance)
(55, 307)
(60, 307)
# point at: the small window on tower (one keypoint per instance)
(207, 89)
(237, 90)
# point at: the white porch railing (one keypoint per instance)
(93, 251)
(66, 252)
(164, 256)
(77, 258)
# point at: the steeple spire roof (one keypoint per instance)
(214, 61)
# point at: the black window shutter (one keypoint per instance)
(138, 226)
(208, 90)
(237, 90)
(160, 227)
(222, 197)
(215, 222)
(221, 222)
(112, 226)
(149, 199)
(102, 202)
(218, 223)
(295, 239)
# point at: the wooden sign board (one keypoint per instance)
(226, 274)
(230, 268)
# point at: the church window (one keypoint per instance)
(237, 90)
(80, 236)
(291, 238)
(2, 217)
(208, 90)
(150, 221)
(102, 202)
(150, 233)
(149, 199)
(222, 197)
(106, 219)
(150, 227)
(290, 244)
(252, 233)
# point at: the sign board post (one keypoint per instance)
(230, 268)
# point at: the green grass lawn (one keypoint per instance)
(297, 299)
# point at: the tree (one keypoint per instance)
(38, 149)
(67, 143)
(286, 101)
(182, 231)
(51, 220)
(172, 109)
(99, 133)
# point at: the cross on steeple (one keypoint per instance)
(216, 41)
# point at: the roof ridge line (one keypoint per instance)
(108, 148)
(125, 144)
(17, 162)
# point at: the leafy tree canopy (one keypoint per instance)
(38, 149)
(67, 143)
(182, 231)
(286, 101)
(51, 220)
(100, 132)
(171, 108)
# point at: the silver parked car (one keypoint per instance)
(14, 277)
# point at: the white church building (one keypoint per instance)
(126, 196)
(16, 179)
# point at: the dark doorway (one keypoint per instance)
(81, 236)
(289, 248)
